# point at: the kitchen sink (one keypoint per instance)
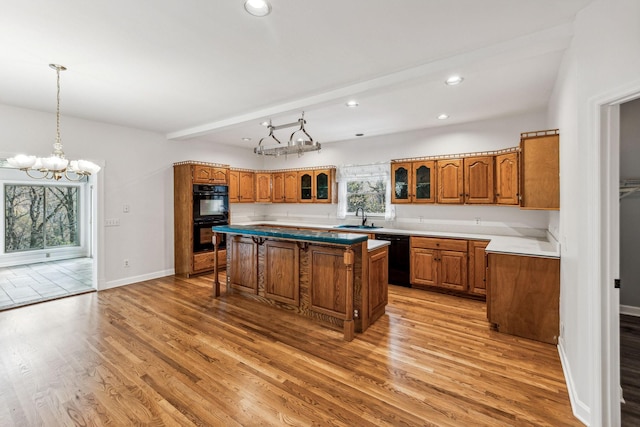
(357, 227)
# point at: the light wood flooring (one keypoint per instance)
(165, 352)
(630, 369)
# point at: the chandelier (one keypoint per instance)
(297, 146)
(56, 165)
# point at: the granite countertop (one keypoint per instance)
(518, 245)
(260, 229)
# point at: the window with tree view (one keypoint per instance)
(39, 217)
(369, 195)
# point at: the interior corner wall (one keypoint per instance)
(630, 208)
(603, 57)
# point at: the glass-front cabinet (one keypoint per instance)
(315, 186)
(413, 182)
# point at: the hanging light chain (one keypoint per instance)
(57, 146)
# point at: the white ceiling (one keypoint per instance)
(206, 68)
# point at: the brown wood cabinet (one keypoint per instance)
(282, 277)
(507, 179)
(277, 187)
(477, 267)
(437, 262)
(314, 186)
(378, 271)
(291, 187)
(243, 274)
(413, 182)
(185, 175)
(523, 296)
(450, 181)
(263, 187)
(540, 170)
(204, 174)
(241, 186)
(478, 180)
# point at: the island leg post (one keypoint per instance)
(216, 282)
(349, 325)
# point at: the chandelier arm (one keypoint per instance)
(43, 176)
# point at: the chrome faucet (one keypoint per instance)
(364, 217)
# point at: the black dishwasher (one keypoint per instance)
(399, 253)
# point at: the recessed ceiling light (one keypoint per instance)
(352, 104)
(257, 7)
(265, 123)
(454, 80)
(246, 139)
(443, 116)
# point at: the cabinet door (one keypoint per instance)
(263, 187)
(450, 183)
(202, 174)
(281, 276)
(452, 270)
(277, 189)
(423, 188)
(540, 169)
(378, 280)
(507, 179)
(477, 267)
(219, 176)
(305, 180)
(291, 187)
(478, 180)
(400, 176)
(424, 267)
(322, 186)
(234, 186)
(246, 190)
(243, 271)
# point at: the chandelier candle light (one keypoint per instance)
(56, 165)
(297, 146)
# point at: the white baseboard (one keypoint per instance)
(630, 310)
(580, 410)
(134, 279)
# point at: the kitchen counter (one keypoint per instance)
(517, 245)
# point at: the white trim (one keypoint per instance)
(630, 310)
(580, 409)
(136, 279)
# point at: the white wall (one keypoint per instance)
(630, 207)
(137, 171)
(604, 57)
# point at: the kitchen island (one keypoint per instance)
(325, 276)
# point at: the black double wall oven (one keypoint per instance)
(210, 208)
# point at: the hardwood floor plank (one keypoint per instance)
(166, 352)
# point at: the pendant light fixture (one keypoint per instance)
(56, 165)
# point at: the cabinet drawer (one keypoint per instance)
(205, 260)
(436, 243)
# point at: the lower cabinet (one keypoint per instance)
(477, 267)
(282, 277)
(523, 296)
(204, 261)
(243, 275)
(439, 263)
(378, 270)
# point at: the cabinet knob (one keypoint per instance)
(497, 194)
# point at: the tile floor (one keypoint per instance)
(28, 284)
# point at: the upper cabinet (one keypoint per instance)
(413, 182)
(241, 186)
(205, 174)
(314, 186)
(450, 181)
(478, 180)
(263, 187)
(291, 187)
(277, 187)
(507, 179)
(540, 170)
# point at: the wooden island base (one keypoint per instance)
(325, 280)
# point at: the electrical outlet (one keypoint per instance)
(125, 208)
(477, 220)
(126, 263)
